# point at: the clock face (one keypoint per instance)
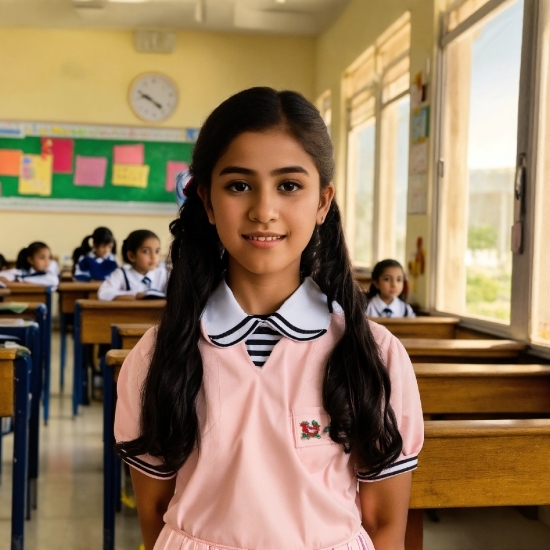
(153, 97)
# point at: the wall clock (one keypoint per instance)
(153, 97)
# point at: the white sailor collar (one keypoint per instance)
(302, 318)
(396, 306)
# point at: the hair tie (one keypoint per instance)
(183, 181)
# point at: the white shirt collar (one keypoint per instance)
(303, 317)
(397, 306)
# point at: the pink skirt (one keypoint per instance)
(171, 539)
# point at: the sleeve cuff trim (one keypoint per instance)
(399, 467)
(155, 471)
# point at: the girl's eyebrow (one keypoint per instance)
(276, 172)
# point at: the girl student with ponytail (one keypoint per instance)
(251, 412)
(98, 260)
(34, 265)
(145, 278)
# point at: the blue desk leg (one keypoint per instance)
(78, 361)
(36, 389)
(63, 322)
(23, 367)
(47, 358)
(108, 459)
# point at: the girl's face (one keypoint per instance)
(147, 256)
(265, 200)
(102, 250)
(390, 283)
(40, 261)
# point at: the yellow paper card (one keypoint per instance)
(130, 175)
(35, 176)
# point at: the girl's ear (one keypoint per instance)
(131, 256)
(327, 194)
(205, 198)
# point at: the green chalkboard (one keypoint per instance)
(157, 154)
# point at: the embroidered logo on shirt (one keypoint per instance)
(310, 431)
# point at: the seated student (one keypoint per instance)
(98, 261)
(385, 295)
(145, 278)
(3, 263)
(32, 266)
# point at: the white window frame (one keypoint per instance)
(522, 265)
(375, 87)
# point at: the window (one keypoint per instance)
(482, 51)
(377, 91)
(324, 104)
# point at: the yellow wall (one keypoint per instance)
(358, 27)
(84, 76)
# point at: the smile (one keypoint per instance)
(264, 239)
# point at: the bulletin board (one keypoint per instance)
(161, 149)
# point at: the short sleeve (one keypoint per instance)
(127, 415)
(405, 402)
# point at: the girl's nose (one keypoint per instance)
(264, 207)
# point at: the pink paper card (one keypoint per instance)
(62, 151)
(10, 160)
(90, 171)
(128, 154)
(172, 168)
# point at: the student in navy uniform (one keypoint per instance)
(96, 262)
(33, 265)
(386, 293)
(145, 278)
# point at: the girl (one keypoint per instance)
(250, 413)
(33, 265)
(98, 261)
(386, 295)
(145, 278)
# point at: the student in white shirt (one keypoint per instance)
(145, 279)
(386, 294)
(33, 265)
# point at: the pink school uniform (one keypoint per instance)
(268, 476)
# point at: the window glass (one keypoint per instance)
(479, 152)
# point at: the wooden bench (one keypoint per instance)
(4, 292)
(419, 327)
(450, 388)
(92, 325)
(478, 463)
(127, 335)
(433, 350)
(69, 293)
(15, 379)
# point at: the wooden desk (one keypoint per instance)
(420, 327)
(92, 325)
(430, 350)
(4, 292)
(69, 293)
(15, 378)
(128, 334)
(7, 377)
(480, 463)
(447, 388)
(26, 292)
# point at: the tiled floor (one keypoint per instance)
(69, 515)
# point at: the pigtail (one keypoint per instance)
(22, 261)
(85, 247)
(169, 424)
(356, 385)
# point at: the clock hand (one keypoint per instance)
(149, 98)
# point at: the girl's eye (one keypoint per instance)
(238, 186)
(290, 186)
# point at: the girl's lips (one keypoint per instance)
(268, 241)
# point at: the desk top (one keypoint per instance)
(445, 370)
(433, 346)
(415, 320)
(78, 286)
(132, 329)
(115, 357)
(25, 288)
(121, 304)
(485, 428)
(8, 354)
(4, 292)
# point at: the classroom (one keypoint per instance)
(438, 115)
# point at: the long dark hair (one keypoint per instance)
(101, 235)
(378, 271)
(134, 240)
(22, 261)
(356, 386)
